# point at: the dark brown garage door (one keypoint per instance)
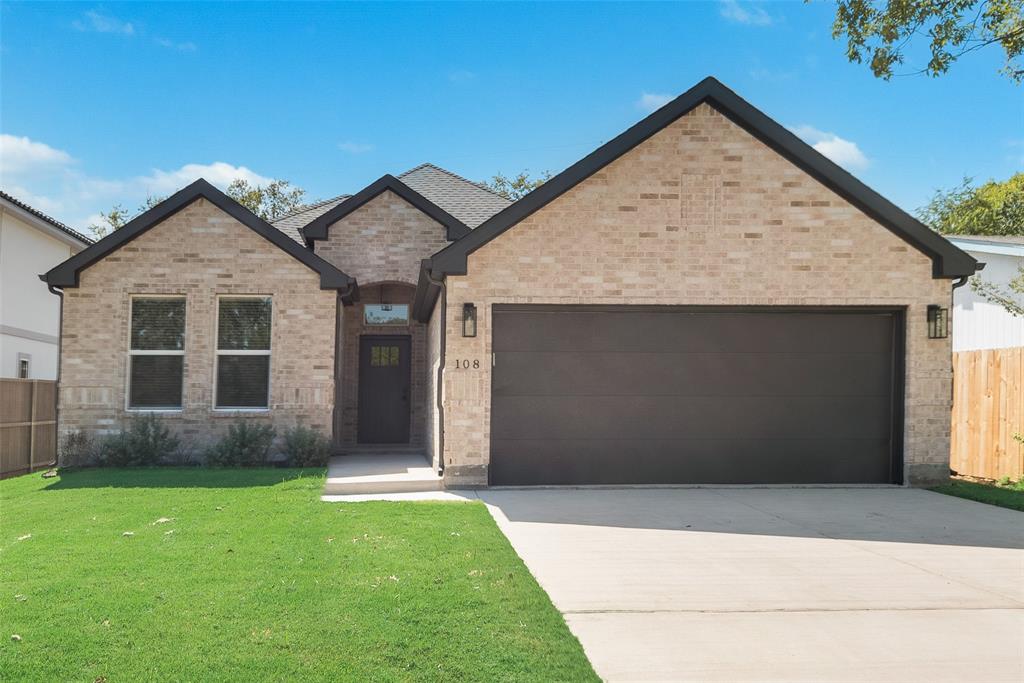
(663, 395)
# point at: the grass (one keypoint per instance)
(1007, 494)
(254, 578)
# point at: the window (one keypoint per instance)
(386, 314)
(24, 366)
(383, 356)
(156, 353)
(243, 353)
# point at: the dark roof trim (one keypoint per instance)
(317, 229)
(947, 260)
(66, 274)
(79, 238)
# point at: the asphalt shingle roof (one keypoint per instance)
(470, 202)
(52, 221)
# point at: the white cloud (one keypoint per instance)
(355, 147)
(842, 151)
(20, 154)
(94, 22)
(218, 173)
(748, 14)
(51, 180)
(650, 102)
(181, 47)
(461, 76)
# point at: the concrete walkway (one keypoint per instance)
(778, 584)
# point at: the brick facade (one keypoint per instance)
(701, 213)
(382, 241)
(199, 252)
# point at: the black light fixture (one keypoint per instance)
(468, 320)
(938, 322)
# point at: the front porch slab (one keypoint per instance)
(380, 473)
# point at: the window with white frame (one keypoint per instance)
(156, 353)
(243, 353)
(24, 366)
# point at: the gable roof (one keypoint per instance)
(947, 260)
(76, 237)
(472, 203)
(66, 274)
(317, 228)
(293, 221)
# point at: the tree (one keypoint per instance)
(517, 186)
(266, 201)
(276, 198)
(116, 218)
(994, 208)
(1010, 297)
(883, 30)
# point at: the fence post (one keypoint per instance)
(32, 427)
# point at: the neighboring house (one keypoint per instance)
(982, 324)
(703, 299)
(30, 243)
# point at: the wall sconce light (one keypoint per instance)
(938, 322)
(468, 320)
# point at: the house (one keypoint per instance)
(703, 299)
(30, 242)
(982, 324)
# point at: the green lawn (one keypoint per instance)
(1010, 495)
(253, 578)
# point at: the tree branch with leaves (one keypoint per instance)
(518, 185)
(881, 32)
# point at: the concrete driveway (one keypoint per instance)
(778, 584)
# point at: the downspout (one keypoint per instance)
(56, 386)
(440, 367)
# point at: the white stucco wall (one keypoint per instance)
(29, 313)
(979, 324)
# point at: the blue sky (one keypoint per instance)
(106, 103)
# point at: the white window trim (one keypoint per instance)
(25, 358)
(217, 353)
(140, 352)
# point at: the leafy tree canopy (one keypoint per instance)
(276, 198)
(882, 31)
(994, 208)
(517, 186)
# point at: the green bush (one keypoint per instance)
(306, 447)
(76, 449)
(147, 441)
(246, 444)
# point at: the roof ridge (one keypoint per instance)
(49, 219)
(482, 186)
(308, 207)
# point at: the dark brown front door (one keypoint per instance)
(384, 389)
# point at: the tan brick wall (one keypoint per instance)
(382, 241)
(199, 252)
(432, 425)
(700, 213)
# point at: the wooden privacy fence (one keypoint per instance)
(28, 425)
(988, 409)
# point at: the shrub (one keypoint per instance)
(147, 441)
(306, 447)
(76, 449)
(246, 444)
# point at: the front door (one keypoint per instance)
(384, 377)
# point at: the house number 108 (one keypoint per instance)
(466, 364)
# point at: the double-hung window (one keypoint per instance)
(243, 353)
(156, 353)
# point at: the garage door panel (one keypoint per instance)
(605, 395)
(645, 417)
(672, 330)
(705, 461)
(695, 374)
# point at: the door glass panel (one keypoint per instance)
(384, 356)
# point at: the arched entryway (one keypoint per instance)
(381, 388)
